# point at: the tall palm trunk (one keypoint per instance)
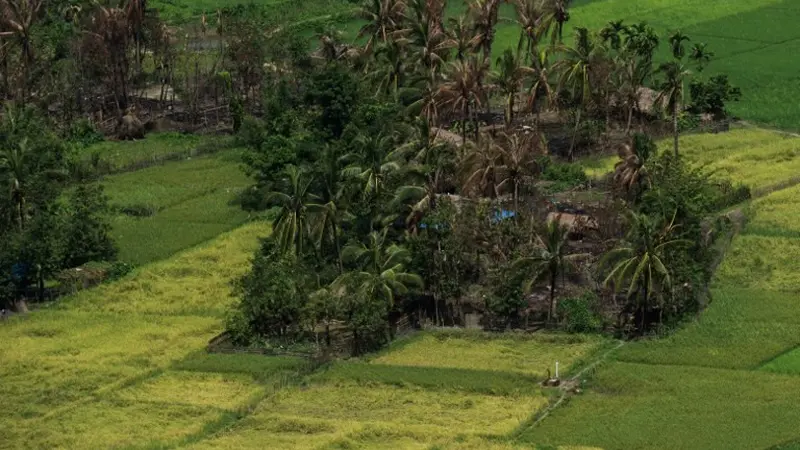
(510, 110)
(675, 127)
(464, 120)
(574, 135)
(630, 120)
(553, 277)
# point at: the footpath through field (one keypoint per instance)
(729, 379)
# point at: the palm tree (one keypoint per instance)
(509, 79)
(577, 67)
(530, 14)
(641, 40)
(462, 89)
(427, 40)
(369, 162)
(426, 98)
(540, 74)
(381, 269)
(484, 15)
(632, 169)
(292, 227)
(330, 211)
(638, 262)
(461, 37)
(676, 41)
(17, 18)
(479, 167)
(556, 16)
(517, 163)
(551, 259)
(13, 166)
(383, 18)
(671, 92)
(612, 34)
(390, 68)
(700, 55)
(428, 164)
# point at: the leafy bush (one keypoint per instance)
(272, 299)
(84, 133)
(579, 314)
(710, 97)
(139, 210)
(564, 176)
(117, 270)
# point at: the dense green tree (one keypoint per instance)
(88, 232)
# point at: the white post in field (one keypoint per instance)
(556, 370)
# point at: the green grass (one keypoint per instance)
(531, 355)
(191, 201)
(119, 155)
(646, 406)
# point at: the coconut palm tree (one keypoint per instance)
(530, 14)
(484, 14)
(427, 163)
(17, 18)
(390, 67)
(461, 37)
(462, 90)
(381, 269)
(676, 41)
(292, 226)
(426, 40)
(330, 210)
(551, 258)
(478, 167)
(383, 17)
(557, 14)
(576, 67)
(631, 172)
(517, 163)
(612, 34)
(540, 74)
(638, 262)
(509, 78)
(670, 91)
(13, 167)
(369, 163)
(700, 55)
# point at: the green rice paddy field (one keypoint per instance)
(169, 207)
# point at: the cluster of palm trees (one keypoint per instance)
(447, 66)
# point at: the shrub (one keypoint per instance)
(563, 176)
(138, 210)
(84, 133)
(272, 299)
(117, 270)
(579, 314)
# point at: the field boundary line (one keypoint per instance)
(567, 390)
(773, 358)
